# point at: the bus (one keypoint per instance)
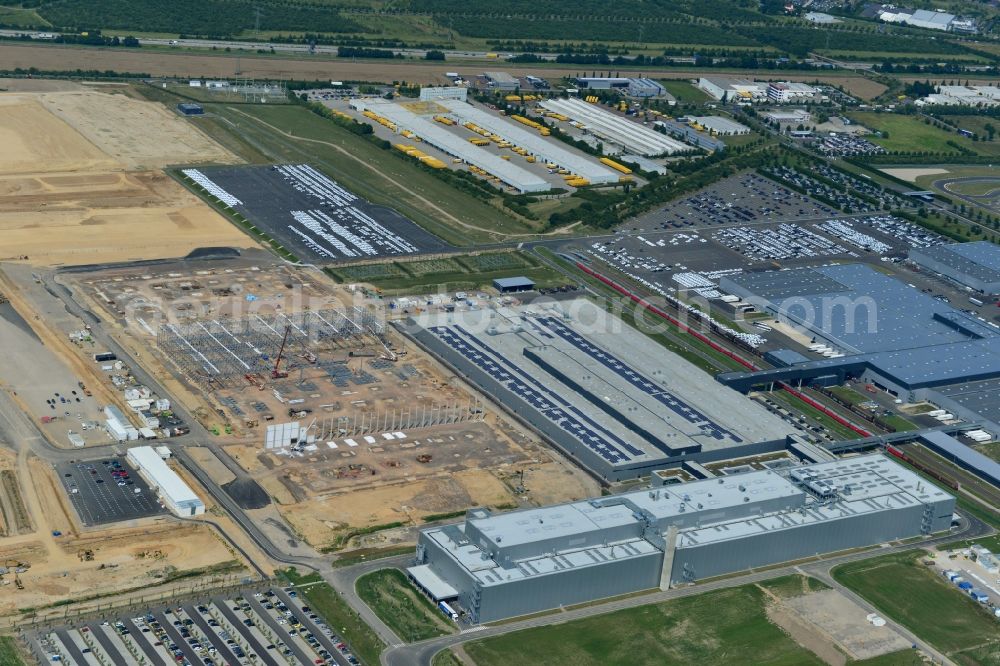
(448, 610)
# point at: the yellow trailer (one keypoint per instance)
(615, 165)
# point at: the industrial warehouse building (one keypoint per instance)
(510, 285)
(501, 81)
(884, 332)
(604, 393)
(461, 93)
(455, 145)
(616, 129)
(720, 125)
(432, 133)
(176, 495)
(733, 90)
(974, 265)
(498, 566)
(634, 87)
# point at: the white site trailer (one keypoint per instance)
(176, 495)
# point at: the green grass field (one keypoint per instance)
(449, 274)
(991, 450)
(327, 604)
(684, 91)
(9, 654)
(21, 18)
(982, 188)
(405, 610)
(901, 658)
(446, 658)
(911, 134)
(975, 124)
(711, 628)
(848, 395)
(297, 135)
(910, 593)
(898, 423)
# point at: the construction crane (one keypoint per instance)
(277, 372)
(389, 354)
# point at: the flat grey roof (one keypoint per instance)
(967, 457)
(859, 308)
(589, 533)
(513, 282)
(979, 260)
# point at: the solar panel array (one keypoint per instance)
(639, 381)
(546, 401)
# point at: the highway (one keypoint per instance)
(253, 46)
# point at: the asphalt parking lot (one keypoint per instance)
(316, 217)
(747, 198)
(96, 493)
(273, 627)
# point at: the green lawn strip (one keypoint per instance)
(449, 274)
(849, 395)
(9, 654)
(809, 411)
(991, 450)
(901, 658)
(360, 555)
(911, 134)
(897, 423)
(379, 184)
(900, 586)
(405, 610)
(794, 585)
(446, 658)
(711, 628)
(325, 602)
(684, 91)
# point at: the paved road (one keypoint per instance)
(423, 652)
(297, 49)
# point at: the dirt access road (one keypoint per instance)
(157, 63)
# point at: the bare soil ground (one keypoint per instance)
(143, 553)
(832, 626)
(140, 135)
(912, 173)
(105, 217)
(35, 140)
(845, 621)
(208, 461)
(64, 198)
(169, 64)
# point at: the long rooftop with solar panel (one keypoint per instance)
(599, 389)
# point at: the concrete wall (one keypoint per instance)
(714, 559)
(571, 586)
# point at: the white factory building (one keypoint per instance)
(790, 91)
(963, 96)
(432, 93)
(721, 126)
(176, 495)
(733, 89)
(631, 136)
